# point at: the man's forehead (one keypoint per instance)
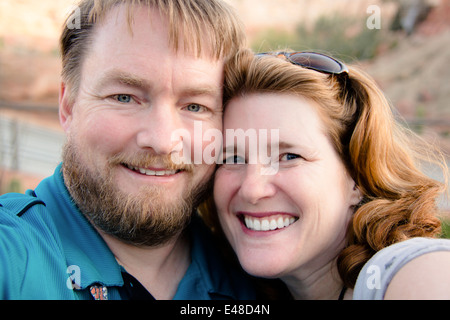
(141, 22)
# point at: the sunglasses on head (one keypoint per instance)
(312, 60)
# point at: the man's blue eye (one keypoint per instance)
(194, 107)
(123, 98)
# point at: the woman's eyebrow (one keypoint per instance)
(284, 145)
(229, 149)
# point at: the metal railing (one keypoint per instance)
(29, 148)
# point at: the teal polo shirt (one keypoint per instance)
(49, 250)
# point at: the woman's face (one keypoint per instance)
(293, 217)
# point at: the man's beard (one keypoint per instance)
(148, 218)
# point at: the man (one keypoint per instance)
(114, 221)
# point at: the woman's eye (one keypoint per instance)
(289, 156)
(195, 108)
(123, 98)
(235, 159)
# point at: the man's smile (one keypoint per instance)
(153, 172)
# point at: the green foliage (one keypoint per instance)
(446, 228)
(345, 38)
(274, 40)
(14, 186)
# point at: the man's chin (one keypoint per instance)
(147, 218)
(129, 208)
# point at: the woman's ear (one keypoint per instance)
(65, 107)
(355, 195)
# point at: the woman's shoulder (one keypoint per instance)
(378, 273)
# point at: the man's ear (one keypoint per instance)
(65, 107)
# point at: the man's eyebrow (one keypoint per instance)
(128, 79)
(125, 78)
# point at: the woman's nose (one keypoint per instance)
(256, 185)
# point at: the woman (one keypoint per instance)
(342, 209)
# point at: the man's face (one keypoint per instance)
(135, 91)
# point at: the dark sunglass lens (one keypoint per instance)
(316, 61)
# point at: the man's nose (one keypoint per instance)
(156, 128)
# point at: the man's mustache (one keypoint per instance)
(147, 160)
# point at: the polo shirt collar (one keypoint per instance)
(84, 248)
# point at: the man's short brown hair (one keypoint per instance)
(191, 23)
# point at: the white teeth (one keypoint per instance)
(280, 223)
(287, 222)
(273, 224)
(268, 223)
(151, 172)
(248, 222)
